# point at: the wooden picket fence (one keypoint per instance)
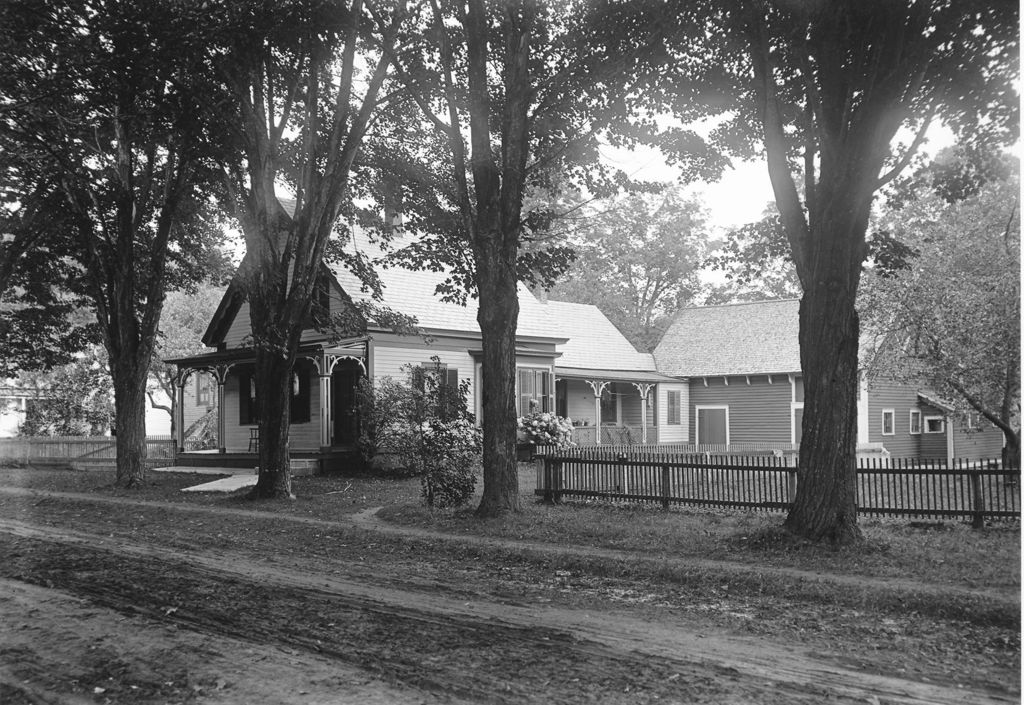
(977, 490)
(80, 452)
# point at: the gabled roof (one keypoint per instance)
(594, 341)
(734, 339)
(413, 293)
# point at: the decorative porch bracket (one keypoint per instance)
(645, 390)
(219, 373)
(325, 364)
(598, 387)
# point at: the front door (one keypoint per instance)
(343, 403)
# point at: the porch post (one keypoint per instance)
(325, 410)
(598, 388)
(325, 367)
(179, 411)
(222, 428)
(645, 390)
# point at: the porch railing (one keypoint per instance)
(613, 435)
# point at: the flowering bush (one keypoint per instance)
(546, 428)
(426, 427)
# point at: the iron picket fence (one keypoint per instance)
(885, 487)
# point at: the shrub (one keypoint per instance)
(546, 428)
(427, 426)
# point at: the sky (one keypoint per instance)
(743, 192)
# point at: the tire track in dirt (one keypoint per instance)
(367, 520)
(764, 667)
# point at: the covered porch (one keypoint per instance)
(324, 416)
(614, 407)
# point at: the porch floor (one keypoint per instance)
(338, 459)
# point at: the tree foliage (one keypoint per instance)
(824, 88)
(637, 260)
(953, 318)
(293, 71)
(184, 320)
(424, 425)
(100, 112)
(514, 95)
(74, 399)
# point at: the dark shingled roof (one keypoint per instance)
(735, 339)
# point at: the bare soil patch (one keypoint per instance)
(410, 615)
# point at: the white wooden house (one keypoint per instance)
(569, 358)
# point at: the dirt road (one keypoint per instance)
(126, 618)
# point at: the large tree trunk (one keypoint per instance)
(129, 422)
(275, 341)
(1011, 451)
(825, 507)
(273, 380)
(498, 316)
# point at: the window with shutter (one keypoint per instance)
(534, 385)
(674, 412)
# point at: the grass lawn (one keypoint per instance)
(946, 554)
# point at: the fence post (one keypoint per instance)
(556, 481)
(791, 486)
(665, 489)
(546, 479)
(977, 501)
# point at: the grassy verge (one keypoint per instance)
(941, 554)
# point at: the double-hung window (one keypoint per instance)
(534, 387)
(674, 415)
(888, 422)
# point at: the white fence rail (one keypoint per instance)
(77, 451)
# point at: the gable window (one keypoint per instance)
(674, 400)
(534, 390)
(888, 422)
(915, 421)
(934, 424)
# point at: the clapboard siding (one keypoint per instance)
(759, 412)
(240, 330)
(673, 433)
(389, 360)
(580, 401)
(302, 436)
(241, 327)
(902, 443)
(984, 444)
(630, 407)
